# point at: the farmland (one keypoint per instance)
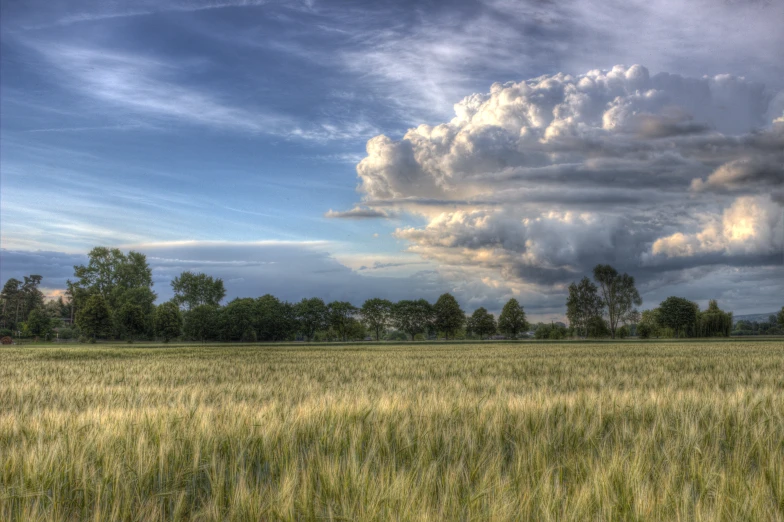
(531, 431)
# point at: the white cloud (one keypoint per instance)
(534, 182)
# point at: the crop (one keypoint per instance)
(614, 431)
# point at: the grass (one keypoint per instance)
(631, 431)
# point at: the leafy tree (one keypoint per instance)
(312, 315)
(192, 290)
(201, 323)
(619, 295)
(780, 317)
(341, 315)
(168, 321)
(714, 322)
(679, 314)
(481, 323)
(111, 273)
(448, 317)
(38, 322)
(597, 327)
(412, 317)
(376, 314)
(275, 320)
(238, 317)
(130, 319)
(19, 299)
(94, 318)
(582, 304)
(512, 319)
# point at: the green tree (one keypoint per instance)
(780, 317)
(582, 304)
(512, 319)
(312, 315)
(19, 299)
(619, 295)
(38, 322)
(448, 317)
(111, 273)
(376, 314)
(192, 290)
(130, 319)
(481, 323)
(94, 318)
(679, 314)
(239, 316)
(201, 323)
(412, 317)
(341, 317)
(596, 327)
(714, 322)
(275, 319)
(168, 321)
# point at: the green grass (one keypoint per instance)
(626, 431)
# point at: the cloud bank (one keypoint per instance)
(533, 183)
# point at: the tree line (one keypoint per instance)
(111, 297)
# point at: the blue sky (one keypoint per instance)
(233, 137)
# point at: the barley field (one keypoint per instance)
(624, 431)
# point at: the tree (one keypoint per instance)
(512, 319)
(201, 323)
(239, 317)
(376, 314)
(275, 320)
(714, 322)
(192, 290)
(111, 273)
(780, 317)
(596, 327)
(168, 321)
(481, 323)
(679, 314)
(582, 304)
(19, 299)
(130, 320)
(39, 322)
(94, 318)
(619, 295)
(312, 315)
(448, 317)
(341, 315)
(412, 317)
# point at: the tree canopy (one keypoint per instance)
(512, 319)
(618, 293)
(377, 315)
(448, 317)
(192, 290)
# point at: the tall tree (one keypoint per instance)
(780, 317)
(111, 273)
(12, 302)
(130, 319)
(619, 295)
(412, 317)
(168, 321)
(39, 322)
(201, 323)
(512, 319)
(312, 315)
(582, 304)
(94, 318)
(714, 321)
(376, 314)
(192, 290)
(481, 323)
(448, 317)
(275, 319)
(341, 317)
(679, 314)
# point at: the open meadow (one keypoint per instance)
(530, 431)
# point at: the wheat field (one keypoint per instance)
(625, 431)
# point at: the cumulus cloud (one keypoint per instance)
(534, 182)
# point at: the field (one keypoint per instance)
(626, 431)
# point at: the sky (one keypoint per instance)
(346, 150)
